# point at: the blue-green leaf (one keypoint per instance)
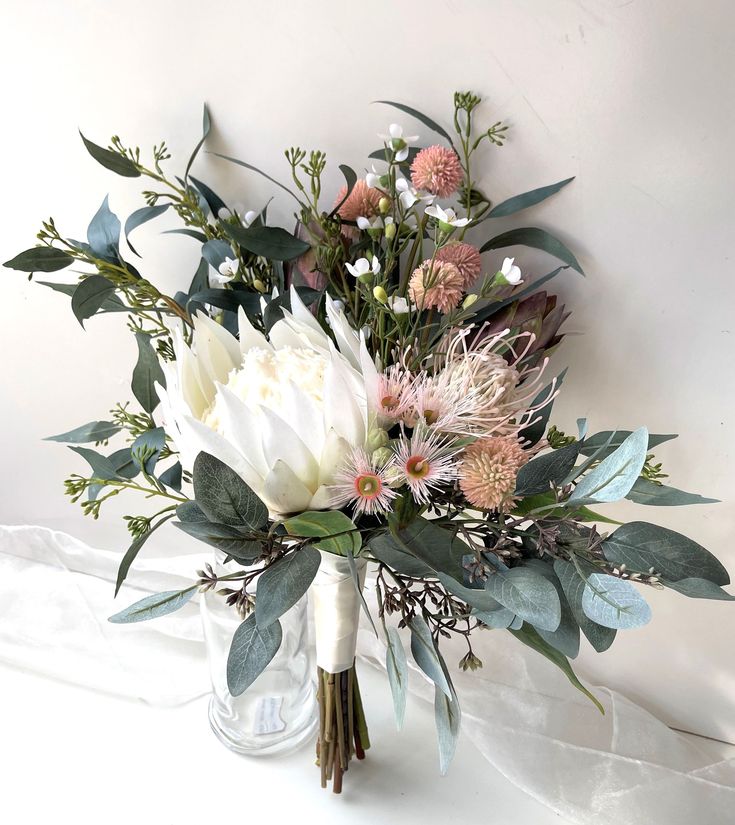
(251, 651)
(573, 585)
(283, 583)
(397, 668)
(215, 251)
(613, 477)
(255, 169)
(141, 216)
(133, 551)
(537, 239)
(40, 259)
(447, 716)
(103, 233)
(147, 448)
(146, 373)
(119, 164)
(614, 602)
(660, 495)
(90, 296)
(206, 126)
(519, 202)
(151, 607)
(421, 117)
(224, 497)
(426, 655)
(610, 440)
(535, 432)
(271, 242)
(214, 201)
(546, 470)
(87, 433)
(529, 595)
(700, 589)
(224, 537)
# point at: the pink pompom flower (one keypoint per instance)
(488, 471)
(361, 202)
(436, 285)
(437, 170)
(465, 257)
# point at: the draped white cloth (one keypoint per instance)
(626, 768)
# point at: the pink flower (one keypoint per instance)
(436, 285)
(425, 462)
(361, 202)
(488, 471)
(395, 394)
(363, 483)
(437, 170)
(465, 257)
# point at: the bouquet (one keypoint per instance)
(367, 389)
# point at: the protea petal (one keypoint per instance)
(283, 492)
(280, 443)
(249, 336)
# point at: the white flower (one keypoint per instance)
(374, 223)
(282, 411)
(362, 267)
(510, 272)
(446, 216)
(409, 195)
(238, 211)
(226, 271)
(399, 305)
(398, 142)
(375, 180)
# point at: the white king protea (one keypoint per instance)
(282, 411)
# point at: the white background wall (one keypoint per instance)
(634, 98)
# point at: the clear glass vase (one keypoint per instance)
(278, 712)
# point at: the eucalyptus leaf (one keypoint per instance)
(88, 433)
(483, 312)
(539, 474)
(610, 440)
(200, 281)
(397, 668)
(40, 259)
(223, 537)
(421, 117)
(190, 233)
(660, 495)
(213, 200)
(101, 465)
(528, 594)
(251, 651)
(255, 169)
(386, 549)
(426, 655)
(641, 546)
(700, 589)
(573, 585)
(190, 512)
(519, 202)
(530, 637)
(134, 549)
(545, 500)
(224, 497)
(535, 238)
(111, 304)
(336, 532)
(499, 619)
(215, 251)
(171, 476)
(103, 233)
(436, 547)
(229, 299)
(350, 180)
(566, 637)
(447, 717)
(119, 164)
(151, 607)
(614, 602)
(535, 431)
(141, 216)
(477, 598)
(146, 373)
(613, 477)
(271, 242)
(206, 127)
(147, 448)
(283, 583)
(90, 296)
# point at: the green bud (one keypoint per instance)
(469, 300)
(380, 294)
(390, 231)
(259, 285)
(366, 278)
(376, 440)
(384, 205)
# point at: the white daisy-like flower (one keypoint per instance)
(226, 271)
(376, 222)
(374, 180)
(246, 217)
(363, 482)
(363, 267)
(425, 461)
(398, 142)
(399, 305)
(446, 217)
(511, 272)
(408, 195)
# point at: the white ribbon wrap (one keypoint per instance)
(336, 612)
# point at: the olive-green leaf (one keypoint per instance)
(119, 164)
(271, 242)
(40, 259)
(146, 373)
(641, 546)
(537, 239)
(251, 651)
(336, 532)
(224, 496)
(519, 202)
(283, 583)
(90, 296)
(151, 607)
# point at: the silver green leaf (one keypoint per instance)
(700, 589)
(528, 594)
(283, 583)
(251, 651)
(224, 497)
(448, 717)
(613, 477)
(614, 602)
(426, 655)
(660, 495)
(573, 585)
(151, 607)
(87, 433)
(395, 664)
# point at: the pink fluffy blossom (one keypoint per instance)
(436, 285)
(361, 202)
(465, 257)
(437, 170)
(488, 471)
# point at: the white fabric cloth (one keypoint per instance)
(336, 604)
(625, 768)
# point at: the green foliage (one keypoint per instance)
(283, 583)
(527, 199)
(90, 296)
(251, 651)
(645, 491)
(40, 259)
(132, 552)
(93, 432)
(152, 607)
(613, 477)
(146, 374)
(528, 594)
(224, 497)
(614, 603)
(384, 547)
(336, 532)
(427, 656)
(546, 471)
(397, 669)
(268, 241)
(535, 238)
(573, 585)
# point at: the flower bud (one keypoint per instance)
(376, 439)
(384, 205)
(390, 231)
(259, 285)
(380, 295)
(382, 455)
(365, 278)
(469, 300)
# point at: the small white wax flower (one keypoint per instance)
(398, 142)
(226, 271)
(399, 305)
(408, 195)
(446, 216)
(374, 180)
(362, 267)
(238, 211)
(373, 223)
(510, 272)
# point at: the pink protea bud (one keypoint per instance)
(437, 170)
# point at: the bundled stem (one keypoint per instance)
(342, 726)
